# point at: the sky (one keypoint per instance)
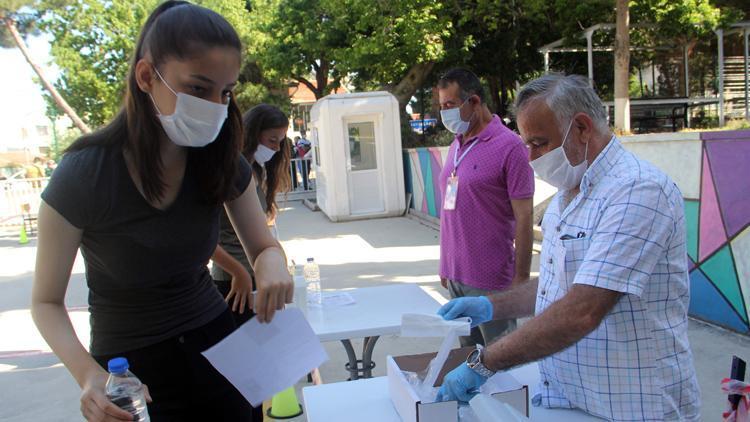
(21, 101)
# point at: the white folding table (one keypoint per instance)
(367, 400)
(377, 312)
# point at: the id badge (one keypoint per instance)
(451, 192)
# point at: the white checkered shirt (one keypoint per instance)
(628, 235)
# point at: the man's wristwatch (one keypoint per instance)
(475, 362)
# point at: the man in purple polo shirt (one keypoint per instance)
(487, 186)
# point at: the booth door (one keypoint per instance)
(363, 176)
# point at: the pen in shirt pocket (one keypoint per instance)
(580, 235)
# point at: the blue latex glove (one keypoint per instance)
(478, 308)
(460, 384)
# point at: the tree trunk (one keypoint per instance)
(622, 68)
(494, 85)
(503, 112)
(415, 77)
(321, 77)
(59, 100)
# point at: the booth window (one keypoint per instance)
(362, 154)
(315, 146)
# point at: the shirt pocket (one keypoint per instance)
(568, 259)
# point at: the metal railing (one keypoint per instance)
(20, 196)
(23, 196)
(302, 175)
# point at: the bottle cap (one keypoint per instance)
(118, 365)
(310, 259)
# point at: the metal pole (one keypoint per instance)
(687, 71)
(590, 51)
(720, 36)
(546, 61)
(687, 83)
(747, 80)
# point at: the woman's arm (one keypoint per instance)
(275, 287)
(242, 283)
(56, 251)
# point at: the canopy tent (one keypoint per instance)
(588, 33)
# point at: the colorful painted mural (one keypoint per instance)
(718, 224)
(420, 165)
(713, 171)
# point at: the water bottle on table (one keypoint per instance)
(312, 278)
(125, 390)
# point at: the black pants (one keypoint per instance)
(183, 384)
(224, 288)
(239, 319)
(295, 183)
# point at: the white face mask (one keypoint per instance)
(263, 154)
(195, 122)
(555, 168)
(452, 120)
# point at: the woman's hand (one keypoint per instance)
(96, 407)
(275, 285)
(241, 292)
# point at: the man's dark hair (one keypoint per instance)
(468, 83)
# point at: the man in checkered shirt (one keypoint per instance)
(611, 300)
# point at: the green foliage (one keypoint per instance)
(683, 20)
(64, 139)
(23, 16)
(367, 44)
(92, 44)
(387, 38)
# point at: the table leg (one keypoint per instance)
(367, 348)
(353, 365)
(315, 377)
(360, 368)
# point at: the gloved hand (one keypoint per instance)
(478, 308)
(460, 384)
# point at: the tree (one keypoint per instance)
(297, 39)
(622, 67)
(500, 44)
(9, 14)
(394, 45)
(92, 43)
(390, 45)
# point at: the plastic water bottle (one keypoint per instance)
(125, 390)
(312, 278)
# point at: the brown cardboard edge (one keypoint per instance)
(419, 362)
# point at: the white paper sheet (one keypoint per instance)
(261, 360)
(335, 299)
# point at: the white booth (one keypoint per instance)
(357, 156)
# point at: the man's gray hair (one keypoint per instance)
(565, 96)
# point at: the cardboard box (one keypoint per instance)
(410, 407)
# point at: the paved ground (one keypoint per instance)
(35, 387)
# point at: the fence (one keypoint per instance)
(23, 196)
(303, 180)
(20, 196)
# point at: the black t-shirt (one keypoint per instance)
(145, 268)
(231, 243)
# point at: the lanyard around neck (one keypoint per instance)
(456, 159)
